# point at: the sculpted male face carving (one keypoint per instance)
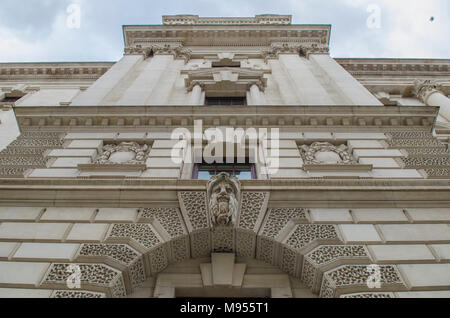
(223, 192)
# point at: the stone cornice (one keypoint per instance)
(32, 118)
(49, 71)
(397, 67)
(226, 35)
(309, 193)
(273, 19)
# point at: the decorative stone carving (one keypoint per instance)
(23, 161)
(278, 48)
(225, 79)
(94, 275)
(12, 171)
(423, 89)
(415, 143)
(76, 294)
(23, 151)
(245, 244)
(323, 257)
(253, 209)
(278, 218)
(353, 277)
(142, 234)
(326, 153)
(438, 173)
(145, 239)
(129, 153)
(169, 218)
(410, 134)
(40, 135)
(223, 239)
(124, 255)
(193, 204)
(301, 240)
(37, 143)
(178, 51)
(424, 152)
(426, 162)
(223, 193)
(305, 234)
(369, 295)
(137, 50)
(172, 223)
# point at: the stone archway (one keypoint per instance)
(281, 237)
(222, 275)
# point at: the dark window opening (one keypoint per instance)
(243, 171)
(302, 52)
(228, 65)
(225, 101)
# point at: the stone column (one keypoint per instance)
(344, 82)
(196, 96)
(429, 93)
(98, 91)
(2, 96)
(256, 96)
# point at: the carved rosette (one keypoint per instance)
(129, 153)
(326, 153)
(423, 89)
(223, 192)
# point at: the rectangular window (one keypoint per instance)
(225, 101)
(243, 171)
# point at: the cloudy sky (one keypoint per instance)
(38, 30)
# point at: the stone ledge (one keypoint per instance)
(112, 167)
(337, 167)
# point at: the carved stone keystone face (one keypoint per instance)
(123, 153)
(222, 194)
(326, 153)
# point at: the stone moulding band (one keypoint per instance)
(111, 167)
(133, 116)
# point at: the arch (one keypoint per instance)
(281, 237)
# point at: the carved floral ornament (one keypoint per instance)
(293, 48)
(130, 153)
(223, 192)
(178, 51)
(326, 153)
(423, 89)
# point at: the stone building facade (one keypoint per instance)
(348, 197)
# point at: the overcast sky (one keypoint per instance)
(37, 30)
